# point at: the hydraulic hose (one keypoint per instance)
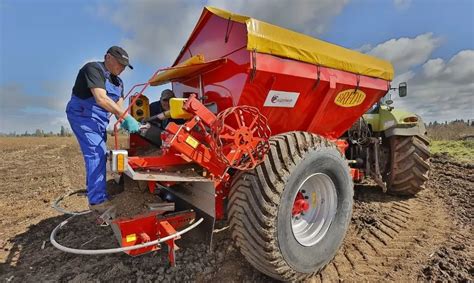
(55, 205)
(113, 250)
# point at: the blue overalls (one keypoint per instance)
(89, 123)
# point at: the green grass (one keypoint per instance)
(460, 150)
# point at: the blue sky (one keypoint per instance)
(44, 43)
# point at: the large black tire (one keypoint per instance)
(260, 205)
(409, 165)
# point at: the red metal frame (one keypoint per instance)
(357, 175)
(149, 227)
(192, 142)
(342, 145)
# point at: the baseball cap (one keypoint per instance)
(167, 94)
(120, 54)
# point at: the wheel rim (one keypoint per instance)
(310, 226)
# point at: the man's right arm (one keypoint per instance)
(95, 80)
(129, 123)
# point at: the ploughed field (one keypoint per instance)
(425, 238)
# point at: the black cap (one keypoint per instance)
(167, 94)
(120, 54)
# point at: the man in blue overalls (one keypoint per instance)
(97, 91)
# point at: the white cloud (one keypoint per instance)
(310, 17)
(406, 53)
(402, 4)
(433, 67)
(157, 30)
(442, 90)
(438, 89)
(404, 77)
(21, 111)
(364, 48)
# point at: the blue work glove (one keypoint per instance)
(130, 124)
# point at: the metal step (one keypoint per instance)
(178, 176)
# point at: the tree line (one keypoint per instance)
(63, 132)
(453, 130)
(469, 123)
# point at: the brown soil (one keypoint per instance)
(426, 238)
(133, 199)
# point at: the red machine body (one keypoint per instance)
(247, 78)
(253, 93)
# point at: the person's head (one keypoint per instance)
(166, 95)
(116, 59)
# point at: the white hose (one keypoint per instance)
(113, 250)
(55, 205)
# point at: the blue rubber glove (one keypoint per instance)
(130, 124)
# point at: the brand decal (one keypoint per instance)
(276, 98)
(349, 98)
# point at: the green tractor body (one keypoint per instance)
(391, 146)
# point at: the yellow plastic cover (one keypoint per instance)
(270, 39)
(187, 69)
(176, 109)
(177, 71)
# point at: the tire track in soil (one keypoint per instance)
(389, 239)
(453, 182)
(387, 235)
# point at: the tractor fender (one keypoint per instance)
(418, 129)
(393, 122)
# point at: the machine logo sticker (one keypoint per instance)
(349, 98)
(277, 98)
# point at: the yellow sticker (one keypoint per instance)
(192, 141)
(350, 98)
(313, 198)
(131, 238)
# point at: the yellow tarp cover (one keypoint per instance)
(177, 71)
(271, 39)
(186, 70)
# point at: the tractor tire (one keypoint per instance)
(263, 223)
(409, 165)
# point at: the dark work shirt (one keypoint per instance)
(92, 76)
